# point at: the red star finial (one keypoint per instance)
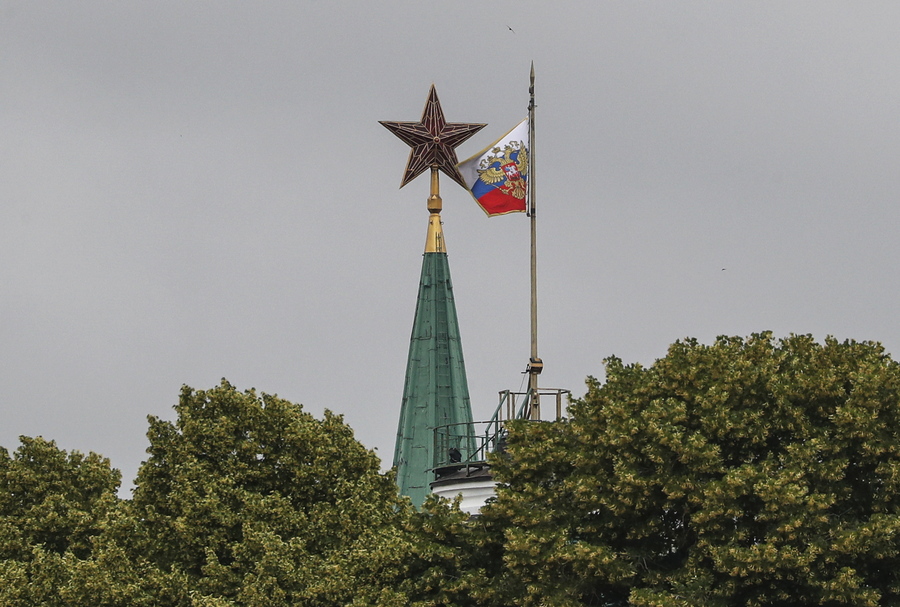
(432, 140)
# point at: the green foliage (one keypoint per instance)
(748, 472)
(244, 500)
(53, 505)
(52, 499)
(444, 560)
(252, 500)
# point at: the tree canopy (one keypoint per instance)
(748, 472)
(53, 504)
(245, 499)
(249, 499)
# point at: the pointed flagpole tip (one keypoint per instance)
(531, 93)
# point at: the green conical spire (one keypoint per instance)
(435, 392)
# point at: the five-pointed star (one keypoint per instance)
(432, 141)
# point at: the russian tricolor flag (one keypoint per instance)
(497, 177)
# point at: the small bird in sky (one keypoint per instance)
(511, 29)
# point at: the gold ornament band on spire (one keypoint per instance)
(434, 242)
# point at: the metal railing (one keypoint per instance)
(465, 444)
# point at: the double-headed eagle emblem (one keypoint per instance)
(506, 169)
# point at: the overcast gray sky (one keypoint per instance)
(198, 190)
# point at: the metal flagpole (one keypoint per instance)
(535, 365)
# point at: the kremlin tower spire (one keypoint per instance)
(435, 391)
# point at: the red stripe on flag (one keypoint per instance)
(496, 202)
